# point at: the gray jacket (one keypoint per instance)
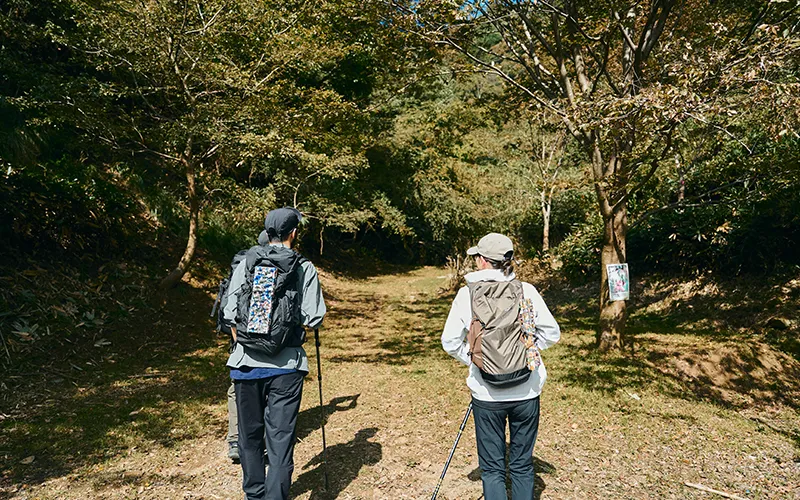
(312, 311)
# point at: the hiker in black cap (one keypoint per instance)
(273, 294)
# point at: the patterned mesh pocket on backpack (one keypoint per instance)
(527, 316)
(261, 299)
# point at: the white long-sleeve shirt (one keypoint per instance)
(454, 339)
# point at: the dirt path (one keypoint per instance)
(609, 428)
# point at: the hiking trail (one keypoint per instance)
(155, 429)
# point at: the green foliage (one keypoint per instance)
(67, 204)
(233, 218)
(438, 171)
(580, 251)
(750, 226)
(381, 140)
(268, 104)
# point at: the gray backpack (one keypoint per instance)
(495, 333)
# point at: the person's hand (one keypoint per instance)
(233, 333)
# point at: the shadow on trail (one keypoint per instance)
(308, 420)
(539, 467)
(344, 465)
(113, 480)
(150, 387)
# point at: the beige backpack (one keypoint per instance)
(495, 333)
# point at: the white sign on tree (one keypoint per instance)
(618, 281)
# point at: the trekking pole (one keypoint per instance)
(452, 452)
(321, 411)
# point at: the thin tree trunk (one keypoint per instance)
(611, 331)
(681, 179)
(611, 327)
(176, 275)
(546, 228)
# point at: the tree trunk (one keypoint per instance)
(611, 331)
(545, 228)
(176, 275)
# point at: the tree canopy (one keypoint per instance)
(596, 132)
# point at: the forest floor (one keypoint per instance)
(142, 414)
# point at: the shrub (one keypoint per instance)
(580, 251)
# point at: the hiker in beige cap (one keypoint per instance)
(497, 325)
(494, 247)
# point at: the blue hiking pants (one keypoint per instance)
(490, 433)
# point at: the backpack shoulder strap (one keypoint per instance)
(472, 286)
(298, 263)
(516, 285)
(240, 255)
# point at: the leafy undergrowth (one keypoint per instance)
(685, 406)
(45, 310)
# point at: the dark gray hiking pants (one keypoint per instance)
(490, 433)
(271, 404)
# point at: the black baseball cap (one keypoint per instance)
(282, 221)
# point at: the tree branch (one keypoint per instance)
(577, 51)
(721, 129)
(206, 24)
(504, 76)
(518, 58)
(562, 67)
(756, 22)
(653, 29)
(653, 167)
